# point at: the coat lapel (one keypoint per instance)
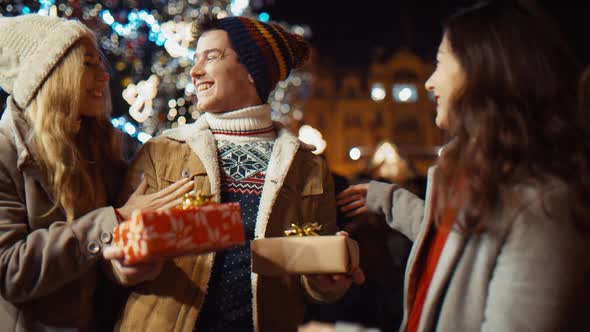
(201, 141)
(26, 162)
(446, 265)
(282, 156)
(449, 256)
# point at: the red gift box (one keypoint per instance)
(177, 232)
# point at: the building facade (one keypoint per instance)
(357, 112)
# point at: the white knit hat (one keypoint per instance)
(30, 47)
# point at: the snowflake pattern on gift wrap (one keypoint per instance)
(216, 237)
(170, 232)
(179, 235)
(241, 161)
(135, 240)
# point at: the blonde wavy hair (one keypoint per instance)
(80, 155)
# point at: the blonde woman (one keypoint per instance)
(59, 168)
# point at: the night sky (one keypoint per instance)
(351, 33)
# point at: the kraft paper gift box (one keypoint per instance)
(304, 255)
(177, 232)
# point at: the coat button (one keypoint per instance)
(106, 237)
(93, 247)
(186, 173)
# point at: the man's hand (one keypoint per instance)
(132, 274)
(336, 283)
(316, 327)
(353, 200)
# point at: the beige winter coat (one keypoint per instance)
(48, 268)
(298, 188)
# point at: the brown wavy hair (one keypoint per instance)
(517, 116)
(81, 156)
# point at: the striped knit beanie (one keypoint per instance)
(266, 50)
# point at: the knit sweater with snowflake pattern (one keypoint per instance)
(245, 140)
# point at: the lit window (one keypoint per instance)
(377, 92)
(405, 93)
(354, 153)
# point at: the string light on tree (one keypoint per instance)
(140, 98)
(178, 37)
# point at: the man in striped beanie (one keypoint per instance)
(235, 151)
(267, 51)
